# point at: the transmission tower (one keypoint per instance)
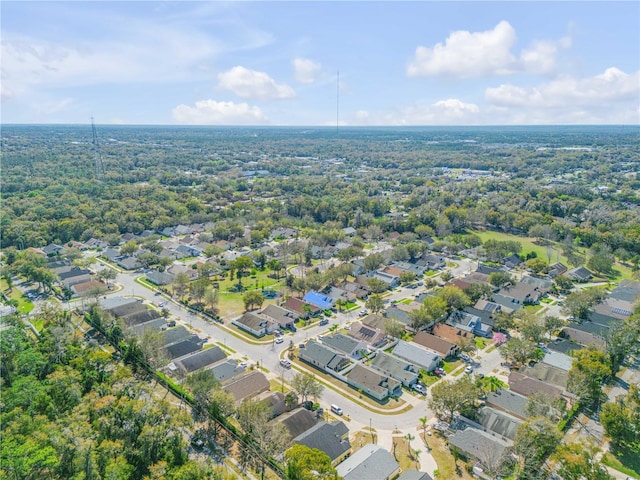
(99, 165)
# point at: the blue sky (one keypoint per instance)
(276, 63)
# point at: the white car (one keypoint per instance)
(469, 369)
(279, 340)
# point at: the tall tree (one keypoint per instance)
(306, 386)
(535, 440)
(590, 367)
(447, 398)
(304, 463)
(575, 461)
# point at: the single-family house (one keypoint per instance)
(518, 294)
(346, 345)
(373, 337)
(142, 316)
(323, 302)
(562, 345)
(53, 249)
(301, 308)
(579, 274)
(417, 270)
(349, 231)
(227, 370)
(203, 358)
(542, 285)
(418, 355)
(330, 438)
(392, 281)
(282, 317)
(373, 382)
(275, 401)
(74, 276)
(339, 294)
(403, 371)
(360, 291)
(439, 345)
(159, 278)
(177, 269)
(128, 263)
(499, 422)
(374, 320)
(412, 474)
(556, 269)
(452, 334)
(484, 447)
(584, 334)
(247, 386)
(371, 462)
(87, 288)
(527, 386)
(184, 347)
(184, 251)
(323, 357)
(398, 314)
(431, 262)
(512, 261)
(297, 421)
(254, 324)
(508, 401)
(470, 323)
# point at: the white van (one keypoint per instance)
(336, 409)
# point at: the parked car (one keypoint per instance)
(439, 372)
(323, 322)
(420, 388)
(469, 369)
(279, 340)
(465, 357)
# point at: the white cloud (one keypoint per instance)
(541, 56)
(610, 97)
(253, 84)
(613, 85)
(451, 111)
(467, 54)
(210, 112)
(472, 54)
(49, 108)
(306, 70)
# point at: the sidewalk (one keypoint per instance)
(427, 462)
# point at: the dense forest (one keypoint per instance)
(69, 411)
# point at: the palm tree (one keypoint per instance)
(424, 420)
(493, 384)
(408, 437)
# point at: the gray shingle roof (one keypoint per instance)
(201, 359)
(371, 462)
(477, 443)
(327, 437)
(510, 402)
(401, 370)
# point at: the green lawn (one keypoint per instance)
(555, 252)
(628, 463)
(24, 305)
(528, 245)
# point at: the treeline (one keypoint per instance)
(163, 177)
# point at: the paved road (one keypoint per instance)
(268, 354)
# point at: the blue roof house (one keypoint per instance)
(319, 300)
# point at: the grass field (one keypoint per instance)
(552, 254)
